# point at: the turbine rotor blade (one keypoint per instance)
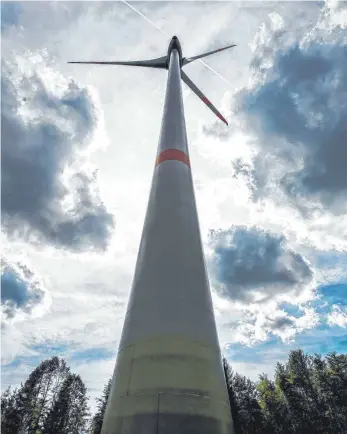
(160, 63)
(203, 98)
(187, 60)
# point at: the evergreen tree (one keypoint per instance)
(69, 413)
(38, 393)
(336, 386)
(98, 418)
(274, 407)
(10, 416)
(321, 383)
(25, 410)
(245, 409)
(228, 373)
(307, 396)
(249, 411)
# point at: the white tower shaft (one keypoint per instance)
(168, 377)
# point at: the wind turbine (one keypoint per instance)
(168, 377)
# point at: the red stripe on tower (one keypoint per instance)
(222, 118)
(205, 100)
(173, 154)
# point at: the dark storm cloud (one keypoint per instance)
(296, 111)
(248, 260)
(46, 121)
(304, 107)
(20, 289)
(281, 323)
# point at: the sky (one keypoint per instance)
(78, 150)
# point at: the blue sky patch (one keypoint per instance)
(92, 354)
(291, 309)
(10, 12)
(50, 350)
(322, 340)
(334, 294)
(13, 288)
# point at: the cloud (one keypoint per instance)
(337, 316)
(335, 14)
(86, 313)
(251, 265)
(49, 122)
(87, 310)
(266, 285)
(301, 109)
(261, 325)
(94, 366)
(22, 292)
(260, 357)
(295, 109)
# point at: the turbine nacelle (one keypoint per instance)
(174, 45)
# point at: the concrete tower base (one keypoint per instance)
(169, 387)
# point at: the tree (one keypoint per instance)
(228, 373)
(300, 372)
(315, 391)
(10, 416)
(98, 418)
(307, 396)
(335, 383)
(274, 407)
(246, 411)
(69, 413)
(249, 411)
(37, 395)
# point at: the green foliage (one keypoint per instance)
(307, 396)
(228, 373)
(10, 416)
(39, 393)
(28, 410)
(69, 413)
(98, 418)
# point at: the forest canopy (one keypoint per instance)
(307, 395)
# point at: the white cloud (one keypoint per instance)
(337, 316)
(261, 323)
(334, 14)
(295, 174)
(89, 290)
(49, 195)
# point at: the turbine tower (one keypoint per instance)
(168, 377)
